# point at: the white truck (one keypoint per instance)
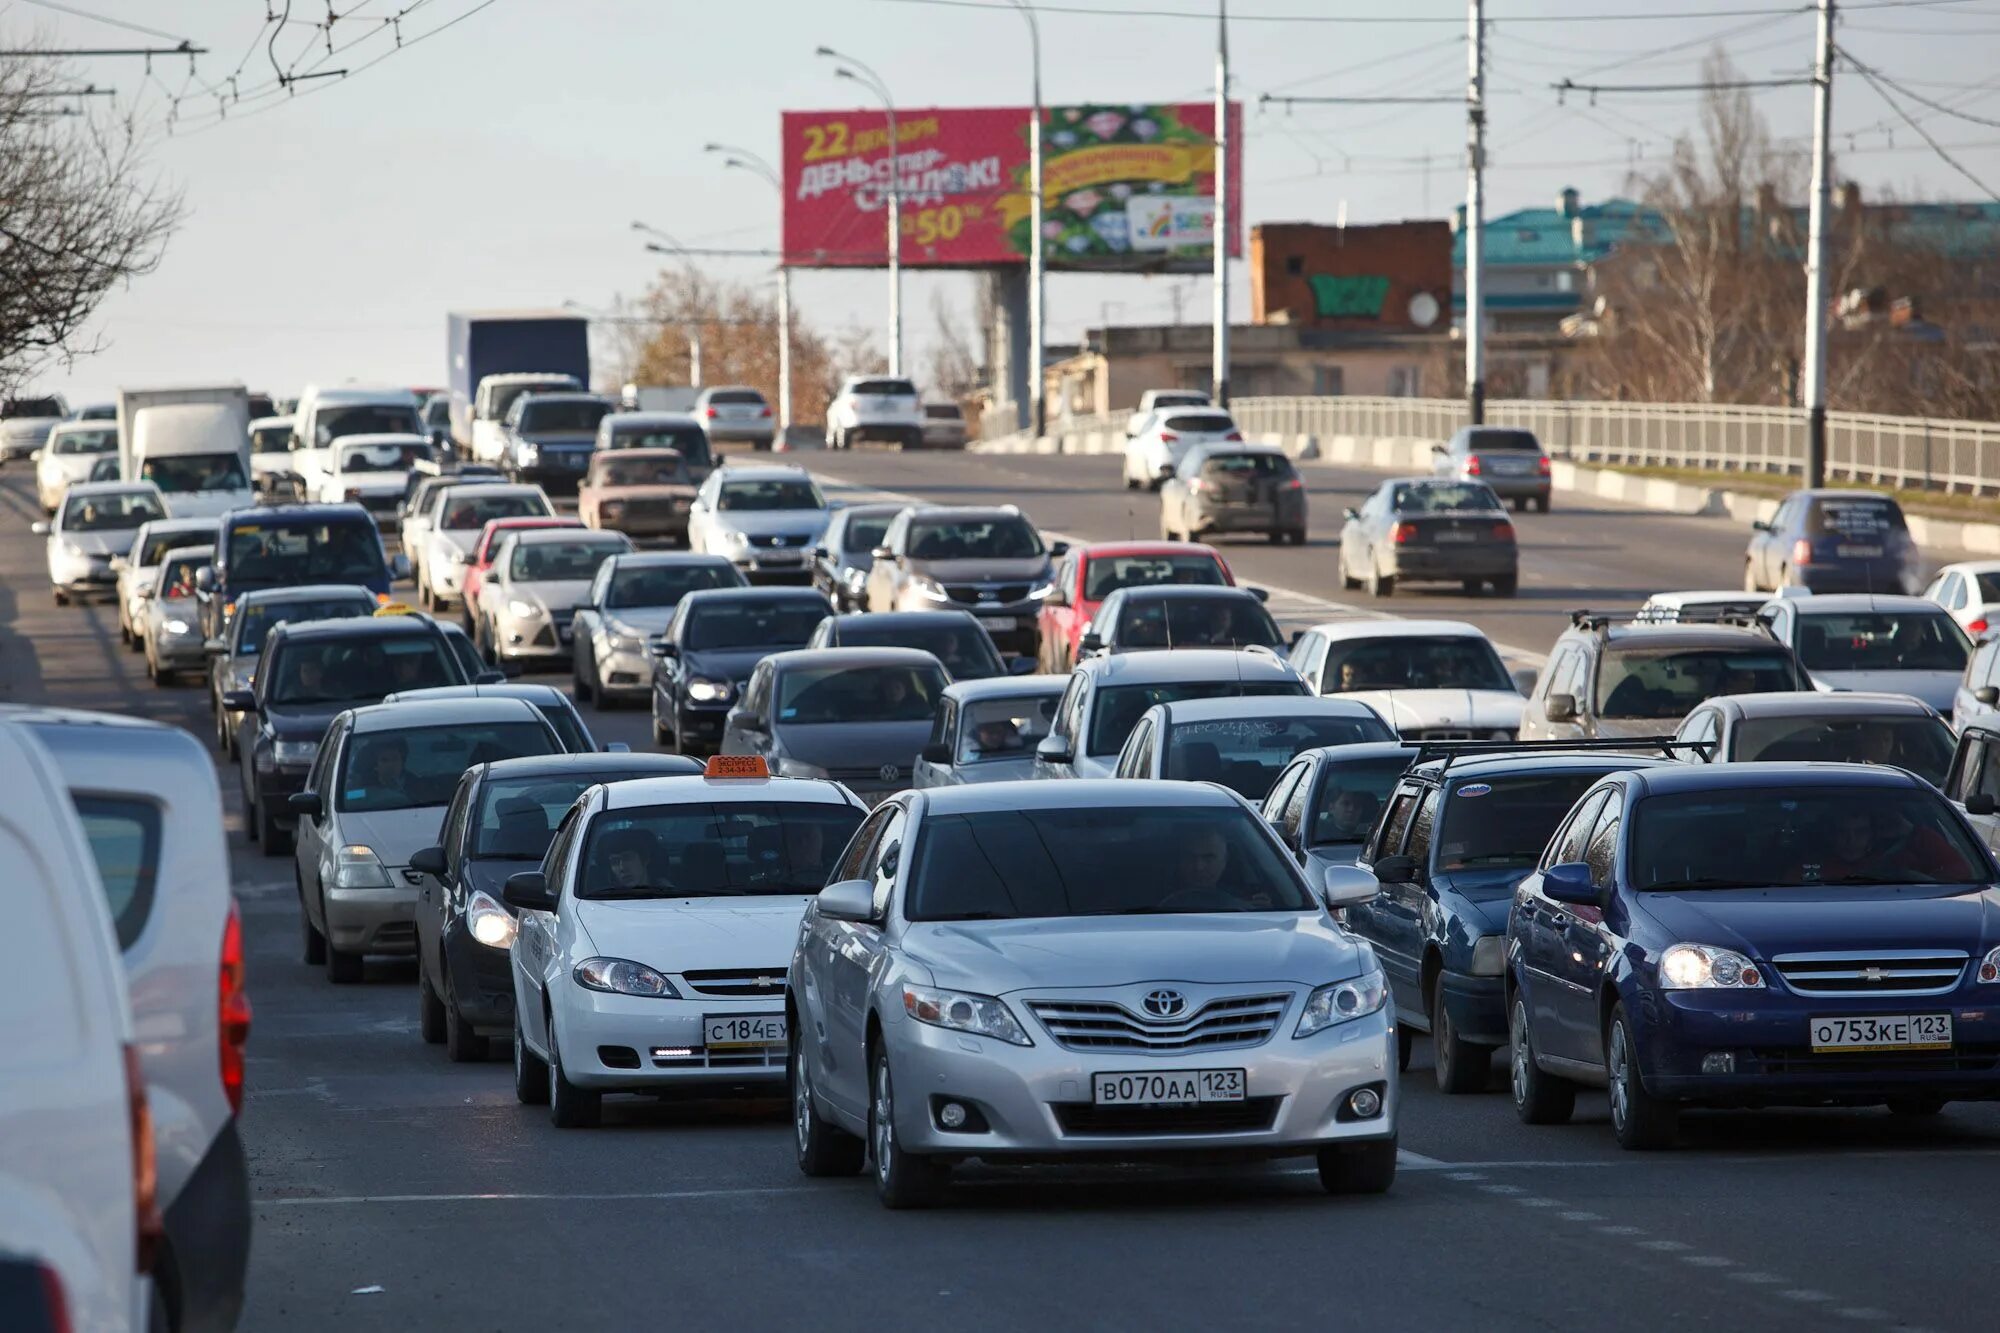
(193, 443)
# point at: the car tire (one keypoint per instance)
(430, 1009)
(570, 1107)
(1461, 1066)
(272, 838)
(823, 1148)
(62, 598)
(1916, 1105)
(1472, 587)
(902, 1179)
(1539, 1098)
(1507, 585)
(1640, 1121)
(312, 944)
(661, 737)
(1358, 1168)
(1406, 1042)
(1380, 584)
(1541, 504)
(1131, 482)
(1520, 504)
(531, 1073)
(424, 598)
(1277, 536)
(1750, 583)
(342, 968)
(577, 686)
(462, 1046)
(1298, 536)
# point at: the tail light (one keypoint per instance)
(1542, 465)
(1197, 484)
(712, 414)
(764, 411)
(1405, 532)
(1293, 484)
(145, 1161)
(1235, 435)
(1169, 438)
(1802, 552)
(233, 1011)
(1978, 626)
(1503, 532)
(1473, 466)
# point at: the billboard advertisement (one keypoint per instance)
(1126, 188)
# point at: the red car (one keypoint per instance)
(482, 555)
(1088, 574)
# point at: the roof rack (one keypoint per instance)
(1453, 751)
(1598, 620)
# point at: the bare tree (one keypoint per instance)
(952, 362)
(737, 328)
(79, 215)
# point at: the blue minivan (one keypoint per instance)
(1833, 540)
(277, 546)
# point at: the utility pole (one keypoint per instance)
(855, 70)
(1815, 367)
(1038, 418)
(1475, 216)
(1220, 373)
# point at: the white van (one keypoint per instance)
(373, 471)
(324, 415)
(77, 1171)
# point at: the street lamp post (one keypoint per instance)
(1036, 268)
(745, 160)
(850, 68)
(693, 330)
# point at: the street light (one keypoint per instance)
(1039, 417)
(745, 160)
(850, 68)
(673, 246)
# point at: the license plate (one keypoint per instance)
(1880, 1032)
(998, 622)
(723, 1031)
(1509, 467)
(1858, 552)
(1458, 536)
(1167, 1087)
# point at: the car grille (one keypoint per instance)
(872, 777)
(756, 1057)
(971, 594)
(781, 539)
(1883, 972)
(1092, 1025)
(766, 983)
(1964, 1060)
(652, 511)
(1249, 1115)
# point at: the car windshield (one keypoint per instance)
(270, 439)
(110, 511)
(1858, 519)
(1195, 622)
(464, 513)
(614, 471)
(753, 496)
(332, 422)
(30, 407)
(665, 585)
(1010, 538)
(504, 395)
(897, 693)
(561, 561)
(1106, 574)
(1246, 754)
(1008, 728)
(881, 388)
(1882, 641)
(153, 547)
(1502, 441)
(102, 441)
(420, 767)
(1351, 796)
(1120, 707)
(863, 535)
(733, 849)
(182, 473)
(384, 457)
(517, 817)
(564, 416)
(1428, 662)
(266, 554)
(965, 650)
(1801, 837)
(361, 669)
(761, 624)
(1137, 860)
(437, 411)
(254, 619)
(1923, 745)
(1505, 822)
(1666, 682)
(688, 440)
(1441, 497)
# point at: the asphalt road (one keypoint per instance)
(395, 1191)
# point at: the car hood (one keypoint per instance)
(115, 542)
(672, 934)
(644, 620)
(489, 874)
(555, 594)
(305, 722)
(24, 428)
(1026, 570)
(729, 663)
(1935, 688)
(1211, 948)
(73, 467)
(997, 770)
(1489, 891)
(206, 504)
(394, 834)
(1413, 710)
(463, 538)
(1764, 922)
(773, 522)
(853, 744)
(1622, 728)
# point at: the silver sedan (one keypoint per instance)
(1091, 969)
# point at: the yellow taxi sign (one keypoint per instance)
(395, 609)
(736, 766)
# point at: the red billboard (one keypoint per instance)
(1126, 188)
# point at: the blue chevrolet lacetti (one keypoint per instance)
(1755, 935)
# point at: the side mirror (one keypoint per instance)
(882, 553)
(1057, 550)
(39, 527)
(204, 578)
(399, 566)
(1440, 449)
(490, 677)
(1022, 666)
(1759, 525)
(429, 861)
(661, 648)
(239, 701)
(749, 721)
(1570, 883)
(1524, 679)
(1055, 750)
(528, 892)
(849, 900)
(1351, 514)
(119, 562)
(820, 553)
(617, 747)
(1092, 642)
(937, 752)
(1561, 708)
(1261, 594)
(306, 803)
(1987, 694)
(214, 647)
(1981, 803)
(1396, 870)
(1347, 886)
(35, 457)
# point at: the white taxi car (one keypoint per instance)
(653, 943)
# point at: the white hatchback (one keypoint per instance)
(1152, 455)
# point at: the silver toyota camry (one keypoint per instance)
(1094, 969)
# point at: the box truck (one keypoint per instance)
(496, 356)
(193, 443)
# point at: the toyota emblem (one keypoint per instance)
(887, 772)
(1164, 1003)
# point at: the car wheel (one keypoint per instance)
(577, 685)
(342, 968)
(1542, 504)
(462, 1046)
(424, 598)
(1406, 1042)
(430, 1009)
(62, 598)
(1380, 584)
(660, 735)
(1298, 536)
(531, 1075)
(1920, 1104)
(1358, 1168)
(1539, 1098)
(312, 944)
(1507, 585)
(1520, 504)
(1461, 1066)
(274, 839)
(570, 1107)
(1638, 1119)
(902, 1179)
(1131, 482)
(1750, 583)
(824, 1148)
(1471, 587)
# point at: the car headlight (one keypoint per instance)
(294, 753)
(732, 537)
(1989, 966)
(709, 691)
(174, 626)
(961, 1012)
(929, 588)
(521, 610)
(1489, 956)
(72, 548)
(1705, 967)
(458, 557)
(528, 453)
(1343, 1002)
(793, 768)
(620, 976)
(357, 867)
(625, 639)
(1042, 590)
(490, 923)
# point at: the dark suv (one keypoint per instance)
(989, 561)
(715, 640)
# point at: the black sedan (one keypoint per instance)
(501, 820)
(1422, 529)
(704, 659)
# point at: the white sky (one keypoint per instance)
(502, 162)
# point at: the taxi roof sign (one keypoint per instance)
(395, 609)
(736, 766)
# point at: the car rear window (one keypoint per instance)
(1442, 497)
(1505, 822)
(1665, 683)
(1246, 754)
(886, 387)
(1882, 641)
(1206, 422)
(125, 842)
(1246, 465)
(1501, 441)
(741, 397)
(1201, 621)
(1106, 574)
(1120, 707)
(1863, 515)
(1923, 745)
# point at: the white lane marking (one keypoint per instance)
(1664, 1246)
(1757, 1279)
(1708, 1261)
(1806, 1296)
(348, 1200)
(1581, 1215)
